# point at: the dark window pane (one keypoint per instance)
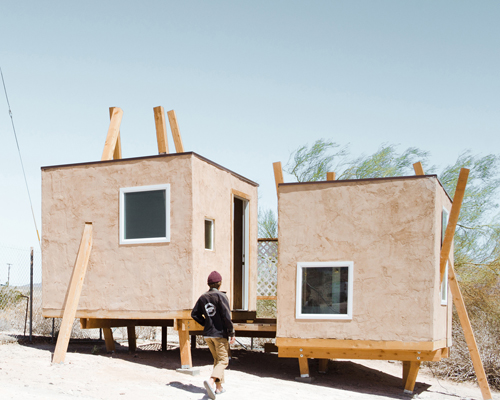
(324, 290)
(209, 234)
(145, 214)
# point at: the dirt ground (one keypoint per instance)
(90, 373)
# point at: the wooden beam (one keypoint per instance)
(304, 367)
(330, 176)
(172, 119)
(117, 154)
(93, 323)
(278, 174)
(132, 344)
(468, 333)
(411, 378)
(419, 169)
(113, 133)
(108, 339)
(452, 221)
(73, 296)
(161, 130)
(110, 314)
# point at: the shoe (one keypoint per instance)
(209, 389)
(220, 391)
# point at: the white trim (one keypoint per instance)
(324, 264)
(212, 234)
(164, 239)
(443, 289)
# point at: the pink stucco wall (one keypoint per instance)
(390, 230)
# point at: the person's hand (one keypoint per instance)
(232, 340)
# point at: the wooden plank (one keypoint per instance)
(172, 119)
(411, 378)
(419, 169)
(401, 355)
(267, 297)
(278, 174)
(361, 344)
(254, 327)
(161, 130)
(117, 154)
(304, 367)
(93, 323)
(108, 339)
(323, 365)
(330, 176)
(132, 344)
(107, 314)
(468, 332)
(452, 221)
(73, 295)
(113, 133)
(242, 195)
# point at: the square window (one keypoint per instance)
(324, 290)
(145, 214)
(209, 234)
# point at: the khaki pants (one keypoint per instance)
(219, 347)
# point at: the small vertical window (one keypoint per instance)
(444, 285)
(324, 290)
(209, 234)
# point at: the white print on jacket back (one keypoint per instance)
(210, 309)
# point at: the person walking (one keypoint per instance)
(212, 311)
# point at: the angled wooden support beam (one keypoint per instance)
(113, 134)
(411, 376)
(172, 119)
(468, 333)
(108, 339)
(453, 220)
(161, 130)
(73, 296)
(278, 174)
(330, 176)
(419, 170)
(117, 154)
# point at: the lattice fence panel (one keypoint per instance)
(267, 268)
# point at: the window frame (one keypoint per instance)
(443, 288)
(212, 220)
(147, 188)
(325, 264)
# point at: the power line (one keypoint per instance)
(20, 157)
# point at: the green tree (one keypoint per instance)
(268, 224)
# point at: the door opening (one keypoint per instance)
(240, 254)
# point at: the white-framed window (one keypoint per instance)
(209, 234)
(324, 290)
(445, 215)
(145, 214)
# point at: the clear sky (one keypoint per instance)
(250, 81)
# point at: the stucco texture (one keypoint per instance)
(390, 229)
(157, 277)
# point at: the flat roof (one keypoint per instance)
(189, 153)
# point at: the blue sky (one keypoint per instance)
(249, 81)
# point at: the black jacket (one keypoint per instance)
(213, 312)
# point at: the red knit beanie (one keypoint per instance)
(214, 277)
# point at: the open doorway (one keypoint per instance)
(240, 253)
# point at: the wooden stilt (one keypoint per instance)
(186, 361)
(117, 154)
(113, 133)
(468, 333)
(406, 369)
(411, 378)
(304, 367)
(132, 345)
(73, 296)
(163, 338)
(323, 365)
(172, 119)
(278, 174)
(161, 130)
(108, 339)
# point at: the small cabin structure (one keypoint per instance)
(359, 270)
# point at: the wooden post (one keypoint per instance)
(172, 119)
(452, 221)
(108, 339)
(186, 361)
(419, 170)
(278, 174)
(131, 339)
(163, 338)
(304, 367)
(411, 377)
(330, 176)
(117, 154)
(323, 365)
(73, 296)
(161, 130)
(468, 333)
(113, 133)
(406, 369)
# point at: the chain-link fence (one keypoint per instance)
(15, 277)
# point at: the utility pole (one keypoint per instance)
(8, 275)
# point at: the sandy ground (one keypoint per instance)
(90, 373)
